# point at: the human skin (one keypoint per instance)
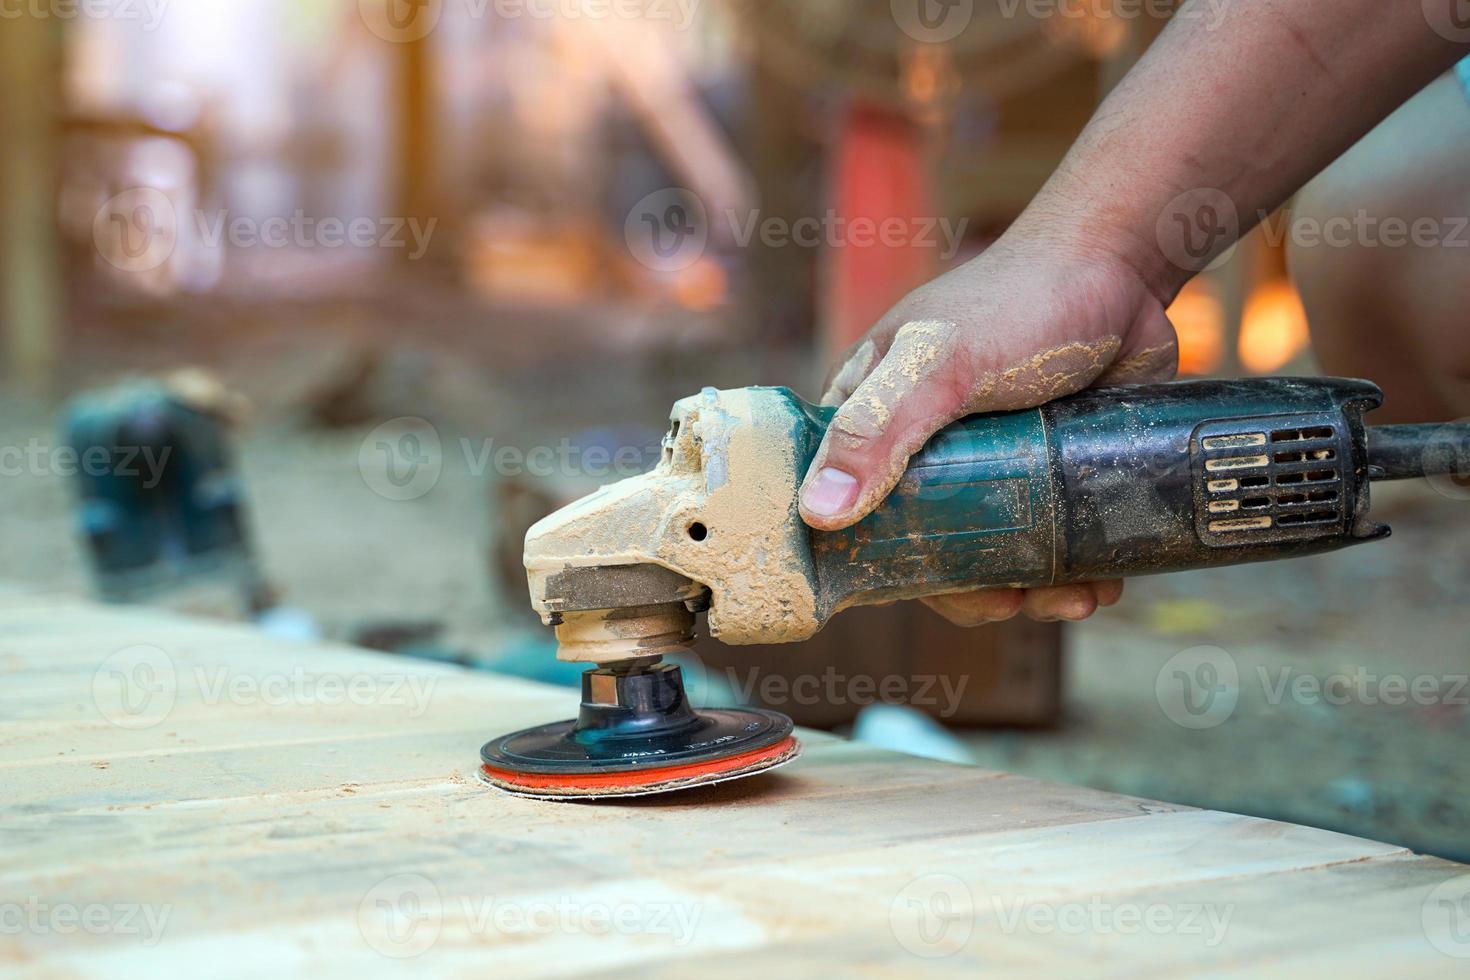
(1380, 308)
(1222, 120)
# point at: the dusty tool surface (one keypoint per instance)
(289, 809)
(1110, 482)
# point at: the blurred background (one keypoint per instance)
(405, 275)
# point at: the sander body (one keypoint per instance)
(1108, 483)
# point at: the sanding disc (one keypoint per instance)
(561, 762)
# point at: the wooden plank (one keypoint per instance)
(325, 836)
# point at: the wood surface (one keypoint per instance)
(260, 807)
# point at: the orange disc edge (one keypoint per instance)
(640, 777)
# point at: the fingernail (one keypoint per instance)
(830, 493)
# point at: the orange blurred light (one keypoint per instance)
(701, 287)
(1100, 31)
(1199, 319)
(1273, 329)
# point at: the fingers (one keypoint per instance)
(1073, 603)
(977, 608)
(1069, 602)
(858, 362)
(1152, 354)
(1109, 593)
(889, 416)
(853, 370)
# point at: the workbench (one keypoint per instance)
(197, 799)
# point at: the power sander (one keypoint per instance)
(1108, 483)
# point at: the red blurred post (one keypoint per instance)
(879, 173)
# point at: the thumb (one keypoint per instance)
(890, 416)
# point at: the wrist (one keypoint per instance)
(1163, 244)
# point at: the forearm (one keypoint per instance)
(1231, 110)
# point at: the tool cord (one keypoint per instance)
(1403, 452)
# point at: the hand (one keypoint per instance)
(1039, 315)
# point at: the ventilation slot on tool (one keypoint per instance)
(1241, 524)
(1314, 517)
(1301, 435)
(1308, 456)
(1310, 476)
(1280, 481)
(1235, 463)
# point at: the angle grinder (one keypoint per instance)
(1108, 483)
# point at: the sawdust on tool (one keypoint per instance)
(754, 552)
(917, 348)
(870, 409)
(752, 556)
(851, 374)
(1149, 364)
(1045, 376)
